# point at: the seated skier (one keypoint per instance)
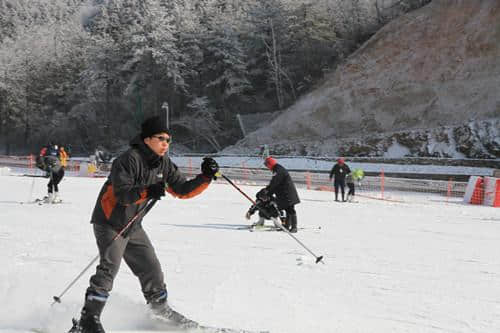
(267, 207)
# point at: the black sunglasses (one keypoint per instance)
(162, 138)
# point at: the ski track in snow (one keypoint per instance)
(417, 266)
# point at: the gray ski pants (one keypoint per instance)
(137, 251)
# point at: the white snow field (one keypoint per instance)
(388, 267)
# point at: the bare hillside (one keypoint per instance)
(437, 67)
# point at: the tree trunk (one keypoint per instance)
(276, 65)
(27, 128)
(107, 112)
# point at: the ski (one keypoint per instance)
(263, 228)
(186, 326)
(171, 319)
(41, 202)
(257, 228)
(211, 329)
(35, 176)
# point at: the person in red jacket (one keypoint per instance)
(141, 174)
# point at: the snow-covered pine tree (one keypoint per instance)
(224, 66)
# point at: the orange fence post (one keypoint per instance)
(31, 161)
(190, 164)
(308, 180)
(478, 193)
(382, 180)
(245, 171)
(448, 192)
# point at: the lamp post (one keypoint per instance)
(164, 106)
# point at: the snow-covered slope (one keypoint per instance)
(425, 266)
(435, 67)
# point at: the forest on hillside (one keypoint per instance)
(85, 73)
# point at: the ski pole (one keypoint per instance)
(318, 258)
(236, 187)
(141, 212)
(31, 189)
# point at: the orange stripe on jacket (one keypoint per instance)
(108, 201)
(144, 197)
(189, 195)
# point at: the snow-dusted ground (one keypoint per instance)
(389, 267)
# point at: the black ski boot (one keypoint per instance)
(90, 316)
(287, 224)
(90, 323)
(87, 324)
(293, 219)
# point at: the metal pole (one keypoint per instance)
(167, 115)
(240, 121)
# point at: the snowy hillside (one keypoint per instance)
(428, 76)
(478, 139)
(389, 267)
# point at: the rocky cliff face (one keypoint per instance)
(436, 68)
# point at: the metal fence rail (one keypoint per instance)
(374, 186)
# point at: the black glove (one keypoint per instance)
(156, 191)
(209, 168)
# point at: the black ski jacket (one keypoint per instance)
(339, 171)
(125, 191)
(48, 163)
(267, 209)
(283, 187)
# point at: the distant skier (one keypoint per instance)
(355, 175)
(139, 175)
(49, 162)
(267, 207)
(339, 172)
(283, 187)
(50, 149)
(63, 157)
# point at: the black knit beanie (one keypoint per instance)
(152, 126)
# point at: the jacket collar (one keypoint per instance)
(151, 158)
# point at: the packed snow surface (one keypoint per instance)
(423, 266)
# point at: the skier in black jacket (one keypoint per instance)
(339, 172)
(286, 194)
(48, 161)
(267, 207)
(142, 173)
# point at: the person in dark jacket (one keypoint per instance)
(283, 187)
(339, 172)
(350, 185)
(141, 174)
(49, 162)
(267, 207)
